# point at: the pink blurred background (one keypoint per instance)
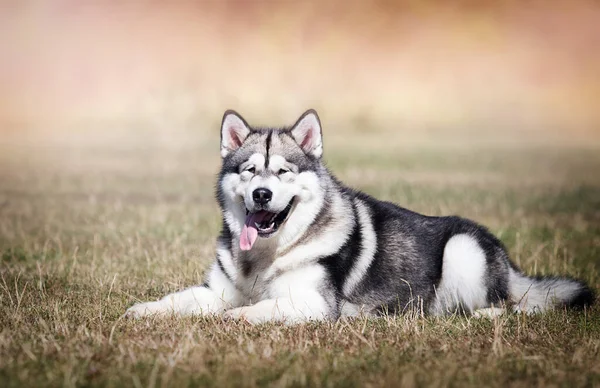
(501, 66)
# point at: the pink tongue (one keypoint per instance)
(249, 231)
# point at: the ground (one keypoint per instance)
(92, 223)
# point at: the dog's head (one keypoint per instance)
(269, 183)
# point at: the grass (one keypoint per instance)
(89, 227)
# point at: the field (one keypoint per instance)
(92, 222)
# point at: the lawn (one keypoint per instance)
(92, 222)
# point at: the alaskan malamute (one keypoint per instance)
(298, 245)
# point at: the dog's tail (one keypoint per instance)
(537, 294)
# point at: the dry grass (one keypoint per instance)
(89, 227)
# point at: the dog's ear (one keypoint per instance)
(234, 130)
(307, 133)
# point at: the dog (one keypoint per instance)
(297, 245)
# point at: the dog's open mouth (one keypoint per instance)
(262, 224)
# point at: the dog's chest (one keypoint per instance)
(251, 280)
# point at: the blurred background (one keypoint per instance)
(482, 69)
(109, 149)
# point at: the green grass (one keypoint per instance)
(87, 229)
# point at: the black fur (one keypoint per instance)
(339, 265)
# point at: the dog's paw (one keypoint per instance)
(248, 314)
(489, 313)
(141, 310)
(236, 313)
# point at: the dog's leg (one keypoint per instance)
(214, 298)
(295, 296)
(286, 310)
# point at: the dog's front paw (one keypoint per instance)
(490, 312)
(247, 314)
(141, 310)
(237, 313)
(250, 314)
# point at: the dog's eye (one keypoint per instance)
(251, 170)
(282, 171)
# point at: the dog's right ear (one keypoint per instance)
(307, 133)
(234, 130)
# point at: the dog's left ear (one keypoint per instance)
(234, 130)
(307, 133)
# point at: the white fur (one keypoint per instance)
(329, 241)
(224, 255)
(223, 287)
(309, 196)
(463, 272)
(293, 297)
(256, 160)
(277, 162)
(284, 187)
(234, 212)
(282, 192)
(539, 295)
(489, 312)
(369, 245)
(220, 296)
(348, 309)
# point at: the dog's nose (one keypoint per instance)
(262, 196)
